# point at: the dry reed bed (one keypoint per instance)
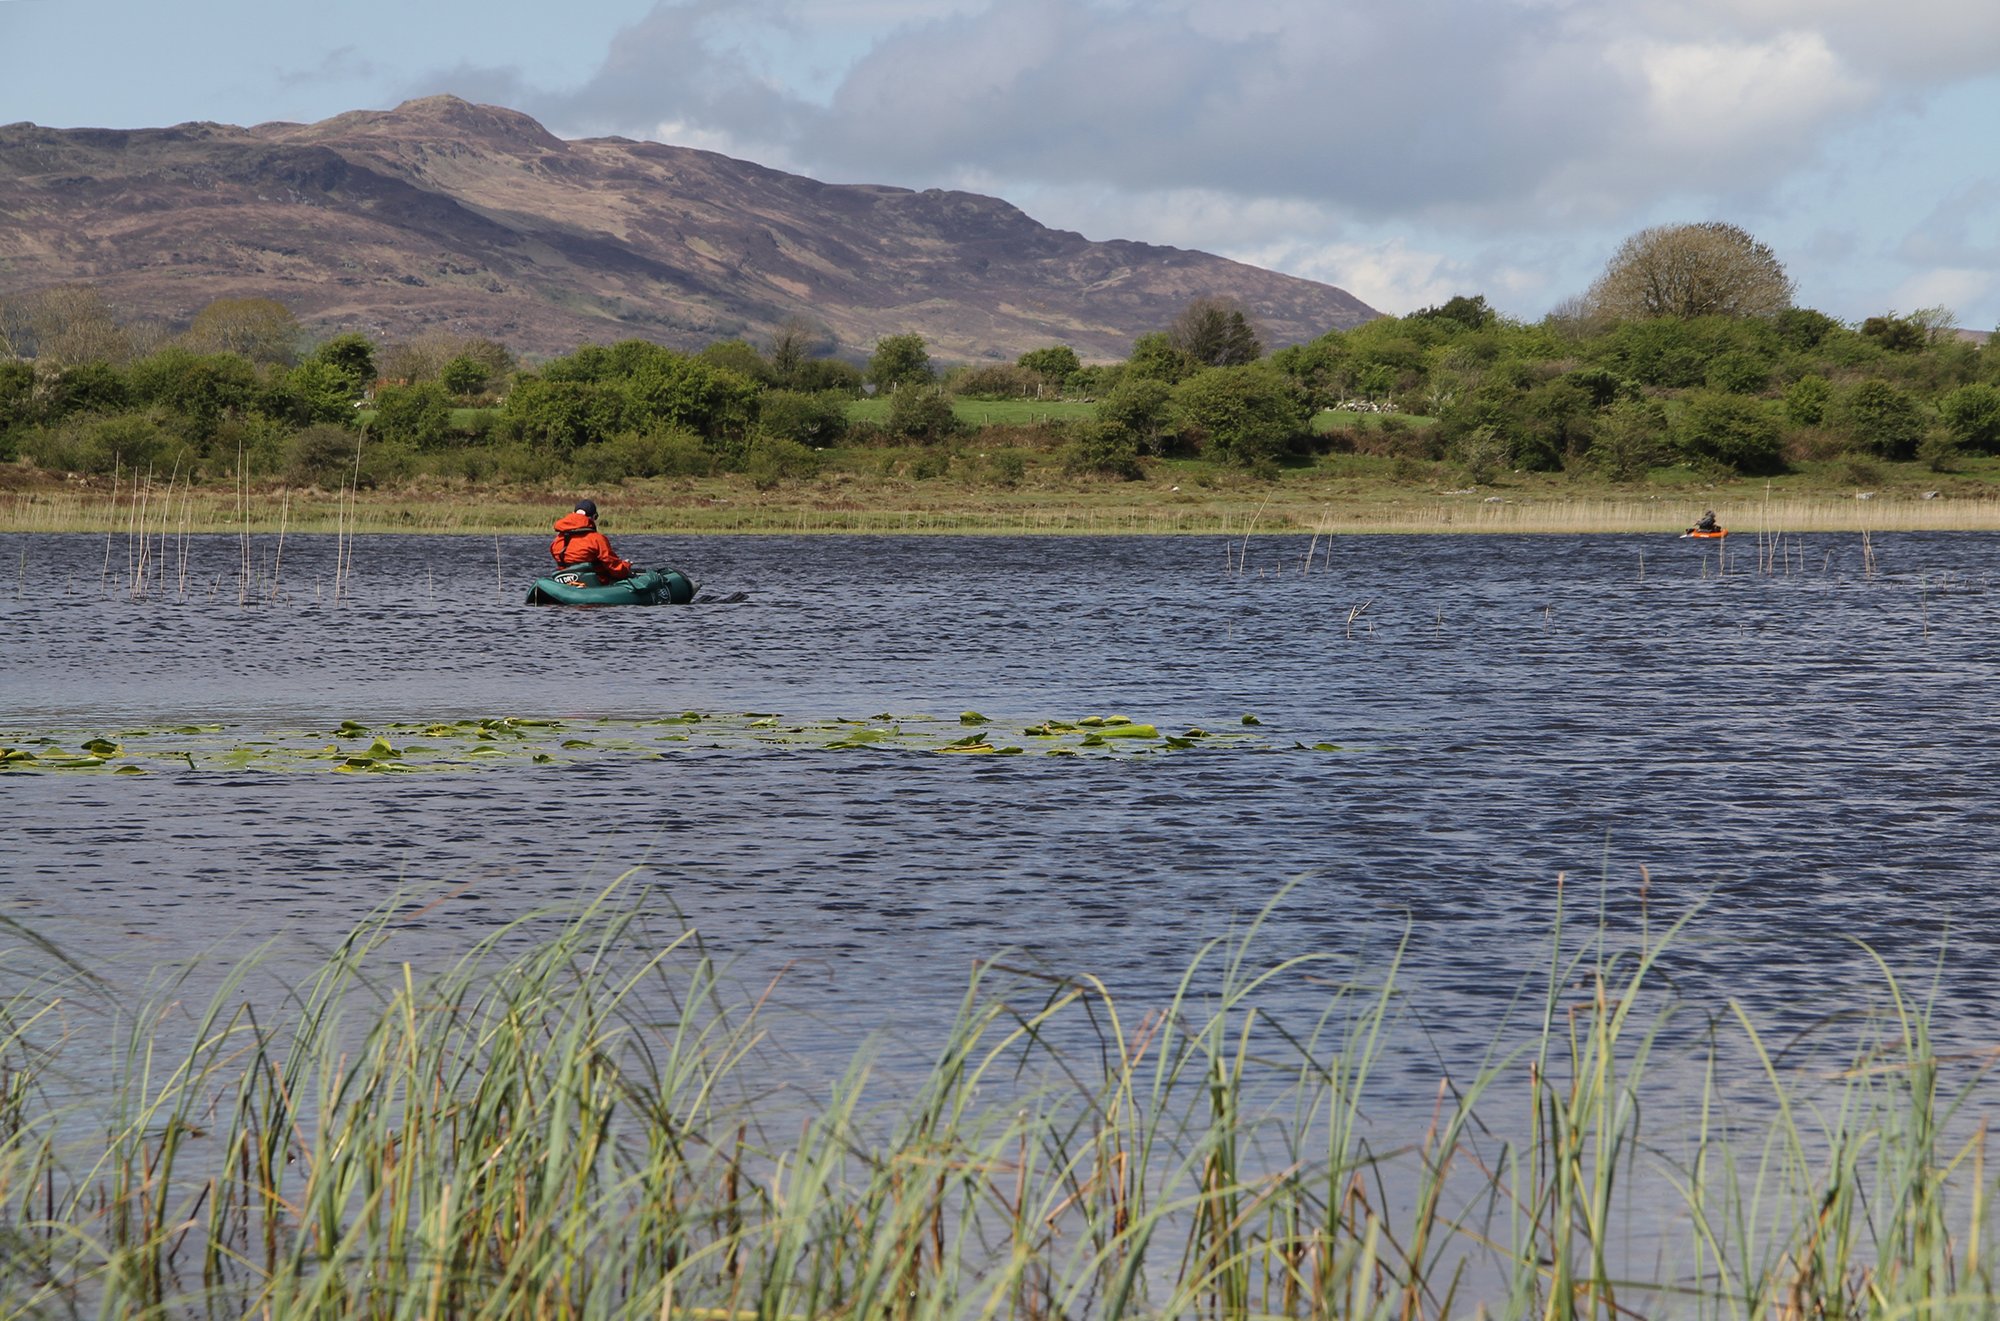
(582, 1122)
(160, 506)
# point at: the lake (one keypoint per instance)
(1798, 741)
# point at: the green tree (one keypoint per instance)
(810, 419)
(1629, 439)
(418, 415)
(558, 415)
(353, 356)
(1315, 369)
(817, 374)
(1706, 269)
(669, 390)
(464, 375)
(1137, 408)
(741, 357)
(1972, 417)
(1881, 418)
(1460, 313)
(1728, 432)
(1244, 414)
(1213, 332)
(262, 330)
(1897, 334)
(899, 360)
(1054, 365)
(1154, 357)
(920, 411)
(202, 389)
(1806, 400)
(314, 391)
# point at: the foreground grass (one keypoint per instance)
(965, 488)
(582, 1121)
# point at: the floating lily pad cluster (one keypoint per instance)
(353, 747)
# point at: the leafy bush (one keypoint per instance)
(1880, 418)
(998, 381)
(773, 459)
(1241, 414)
(1807, 399)
(1629, 439)
(1728, 432)
(1972, 417)
(921, 412)
(1137, 407)
(321, 455)
(671, 452)
(416, 415)
(1738, 372)
(1103, 450)
(810, 419)
(1481, 454)
(123, 442)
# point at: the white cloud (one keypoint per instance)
(1955, 288)
(1346, 140)
(1715, 97)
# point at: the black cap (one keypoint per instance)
(587, 507)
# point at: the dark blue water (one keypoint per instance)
(1806, 756)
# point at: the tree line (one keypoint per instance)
(1687, 351)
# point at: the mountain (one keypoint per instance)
(443, 216)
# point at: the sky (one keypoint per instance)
(1405, 150)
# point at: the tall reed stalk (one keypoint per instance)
(580, 1118)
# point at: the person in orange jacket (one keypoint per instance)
(578, 542)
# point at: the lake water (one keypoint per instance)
(1807, 751)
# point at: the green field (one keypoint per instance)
(988, 412)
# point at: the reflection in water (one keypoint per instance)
(1804, 752)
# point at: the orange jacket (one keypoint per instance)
(579, 542)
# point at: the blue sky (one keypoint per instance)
(1405, 150)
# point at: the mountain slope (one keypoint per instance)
(442, 215)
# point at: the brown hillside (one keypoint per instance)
(442, 215)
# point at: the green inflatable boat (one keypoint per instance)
(579, 586)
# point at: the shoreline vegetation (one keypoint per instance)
(1609, 416)
(582, 1117)
(1351, 501)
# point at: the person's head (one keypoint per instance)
(587, 508)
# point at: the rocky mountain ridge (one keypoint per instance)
(444, 216)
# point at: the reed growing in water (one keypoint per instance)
(580, 1119)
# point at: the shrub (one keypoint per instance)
(1737, 372)
(1629, 439)
(1880, 418)
(998, 381)
(773, 459)
(1728, 432)
(1100, 449)
(321, 455)
(1806, 400)
(1242, 414)
(1138, 407)
(1006, 467)
(1972, 417)
(671, 452)
(417, 415)
(921, 412)
(1481, 454)
(810, 419)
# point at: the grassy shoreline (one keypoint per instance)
(1354, 497)
(580, 1118)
